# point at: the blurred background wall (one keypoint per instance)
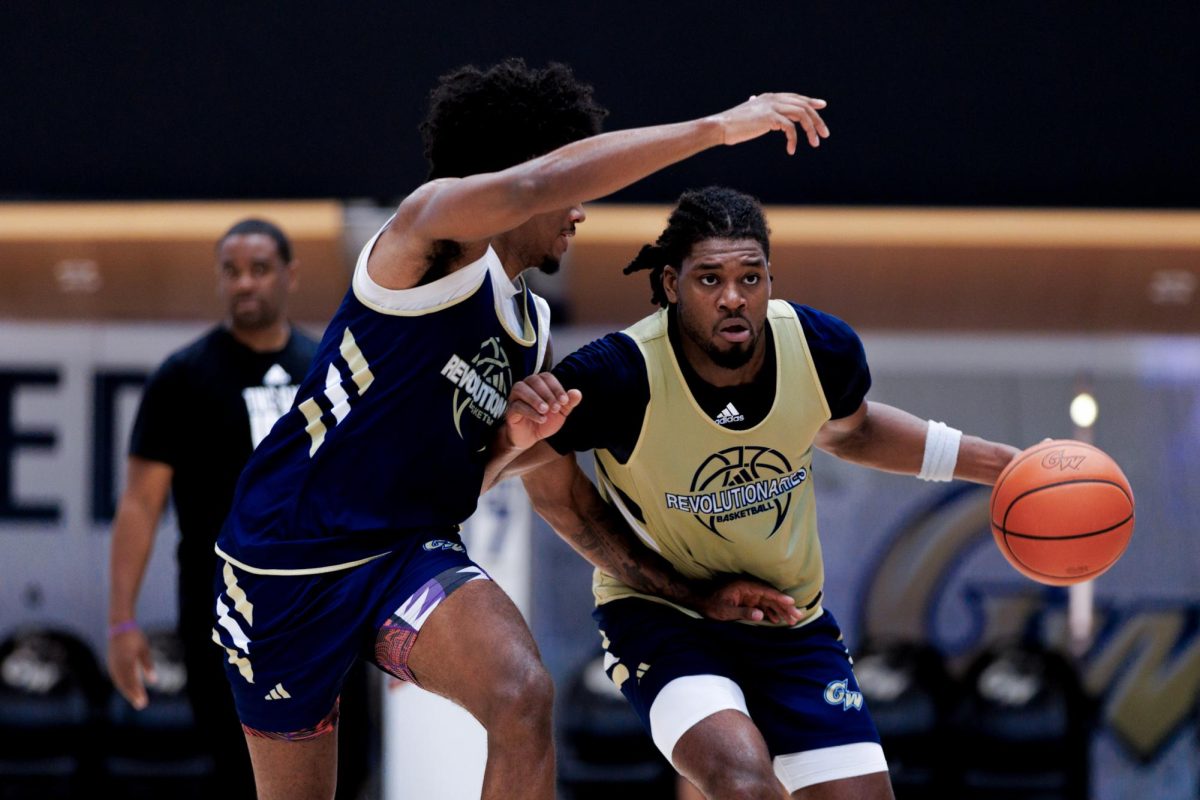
(1008, 210)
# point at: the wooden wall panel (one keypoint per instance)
(1069, 271)
(152, 260)
(899, 269)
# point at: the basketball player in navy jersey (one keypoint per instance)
(343, 542)
(703, 417)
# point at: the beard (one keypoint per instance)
(735, 357)
(254, 316)
(549, 266)
(730, 359)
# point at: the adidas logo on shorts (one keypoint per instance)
(278, 693)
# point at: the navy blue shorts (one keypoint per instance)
(797, 683)
(290, 639)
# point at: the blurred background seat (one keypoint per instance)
(157, 752)
(911, 696)
(50, 689)
(1022, 727)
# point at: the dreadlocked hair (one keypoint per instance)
(714, 212)
(489, 120)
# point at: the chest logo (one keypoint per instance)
(740, 482)
(481, 383)
(729, 414)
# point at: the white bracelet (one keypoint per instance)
(941, 452)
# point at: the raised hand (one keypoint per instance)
(537, 408)
(775, 111)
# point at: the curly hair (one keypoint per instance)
(714, 212)
(489, 120)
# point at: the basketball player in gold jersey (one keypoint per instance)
(703, 417)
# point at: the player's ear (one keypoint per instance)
(293, 273)
(670, 283)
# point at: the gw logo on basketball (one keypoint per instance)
(836, 694)
(482, 384)
(1060, 459)
(737, 483)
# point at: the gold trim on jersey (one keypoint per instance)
(308, 571)
(528, 336)
(489, 264)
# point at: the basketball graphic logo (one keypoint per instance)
(740, 482)
(481, 389)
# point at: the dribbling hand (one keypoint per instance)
(775, 111)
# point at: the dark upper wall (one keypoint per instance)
(1028, 102)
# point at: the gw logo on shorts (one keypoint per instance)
(836, 694)
(482, 384)
(443, 544)
(740, 482)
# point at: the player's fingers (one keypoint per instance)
(769, 595)
(779, 606)
(536, 397)
(810, 120)
(789, 130)
(574, 398)
(819, 125)
(542, 384)
(546, 387)
(804, 116)
(519, 410)
(743, 611)
(802, 99)
(552, 385)
(131, 687)
(148, 671)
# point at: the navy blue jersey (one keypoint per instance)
(392, 425)
(611, 373)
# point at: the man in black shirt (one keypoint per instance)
(203, 412)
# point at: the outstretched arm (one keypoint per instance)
(893, 440)
(477, 207)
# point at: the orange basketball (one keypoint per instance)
(1062, 512)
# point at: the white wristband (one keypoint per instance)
(941, 452)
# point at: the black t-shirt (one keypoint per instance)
(611, 374)
(202, 412)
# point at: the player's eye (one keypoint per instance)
(260, 269)
(708, 279)
(751, 280)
